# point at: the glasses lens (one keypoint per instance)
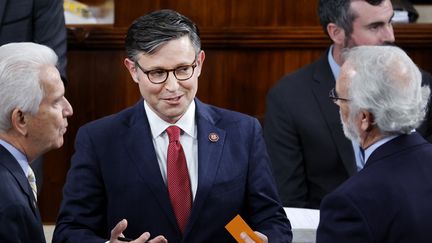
(332, 95)
(157, 76)
(184, 72)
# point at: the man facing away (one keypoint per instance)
(33, 120)
(170, 165)
(309, 152)
(381, 103)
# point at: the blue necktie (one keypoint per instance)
(362, 156)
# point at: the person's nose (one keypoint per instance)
(68, 110)
(171, 84)
(388, 34)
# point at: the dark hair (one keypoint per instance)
(153, 30)
(340, 13)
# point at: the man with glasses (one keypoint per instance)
(381, 102)
(309, 152)
(170, 165)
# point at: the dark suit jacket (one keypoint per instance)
(40, 21)
(20, 221)
(309, 151)
(388, 201)
(115, 174)
(310, 154)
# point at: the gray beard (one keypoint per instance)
(350, 131)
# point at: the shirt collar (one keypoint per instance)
(186, 122)
(377, 144)
(335, 68)
(20, 157)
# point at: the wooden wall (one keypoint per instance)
(249, 45)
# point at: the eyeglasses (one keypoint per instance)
(158, 76)
(334, 96)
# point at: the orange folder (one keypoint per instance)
(238, 225)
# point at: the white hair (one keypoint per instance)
(20, 66)
(387, 83)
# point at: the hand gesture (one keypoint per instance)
(117, 232)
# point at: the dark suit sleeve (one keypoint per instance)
(266, 212)
(82, 212)
(49, 29)
(285, 150)
(342, 221)
(425, 128)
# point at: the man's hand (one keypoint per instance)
(122, 225)
(247, 239)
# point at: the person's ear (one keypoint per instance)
(336, 33)
(131, 67)
(367, 121)
(199, 62)
(19, 121)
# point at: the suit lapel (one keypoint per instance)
(324, 82)
(139, 144)
(209, 154)
(15, 169)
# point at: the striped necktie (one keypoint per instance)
(32, 180)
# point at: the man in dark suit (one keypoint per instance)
(309, 153)
(33, 119)
(381, 103)
(39, 21)
(122, 166)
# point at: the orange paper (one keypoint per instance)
(238, 225)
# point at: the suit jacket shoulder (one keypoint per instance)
(19, 217)
(318, 71)
(221, 117)
(387, 201)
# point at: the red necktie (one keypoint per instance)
(179, 187)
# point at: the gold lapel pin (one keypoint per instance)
(213, 137)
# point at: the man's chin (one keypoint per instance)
(350, 134)
(58, 144)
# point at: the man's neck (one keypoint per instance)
(371, 137)
(337, 54)
(16, 143)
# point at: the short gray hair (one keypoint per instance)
(387, 83)
(20, 66)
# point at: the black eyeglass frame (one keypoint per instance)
(167, 71)
(333, 96)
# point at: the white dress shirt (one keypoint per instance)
(188, 140)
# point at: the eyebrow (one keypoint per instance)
(165, 68)
(381, 23)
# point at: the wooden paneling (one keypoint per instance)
(222, 13)
(249, 46)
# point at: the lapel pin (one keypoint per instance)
(213, 137)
